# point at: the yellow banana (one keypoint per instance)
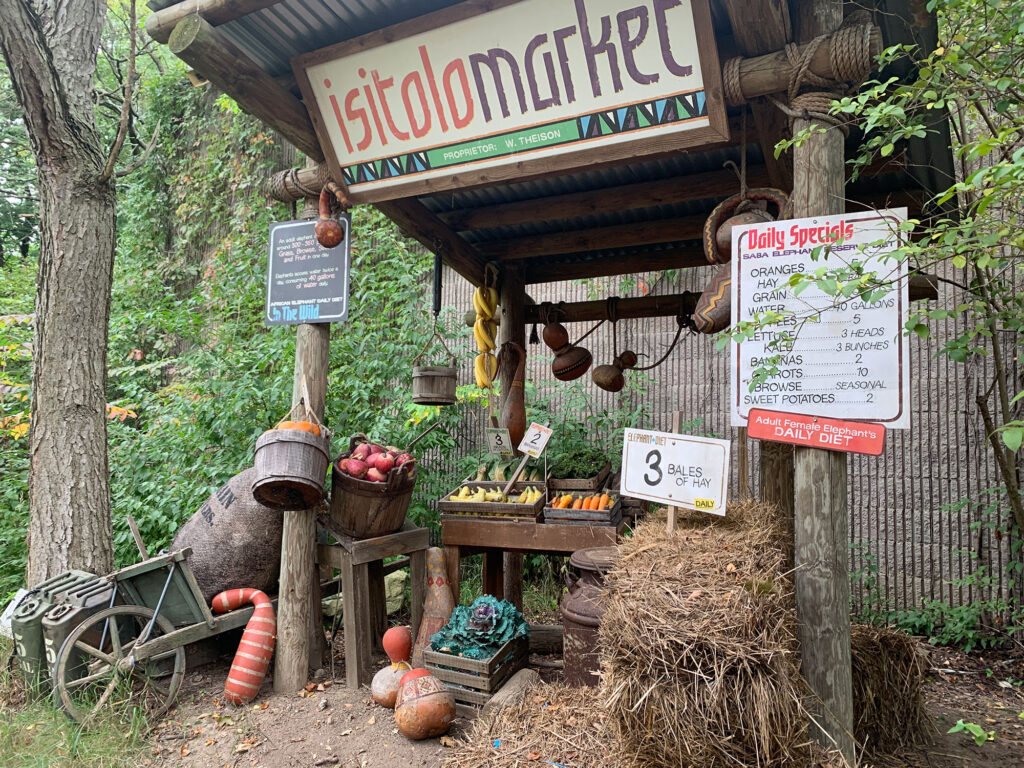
(492, 367)
(484, 340)
(492, 300)
(480, 371)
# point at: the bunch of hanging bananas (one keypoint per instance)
(485, 366)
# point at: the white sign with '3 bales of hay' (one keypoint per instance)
(679, 470)
(483, 92)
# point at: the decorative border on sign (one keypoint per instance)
(675, 109)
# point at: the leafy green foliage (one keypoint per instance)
(975, 731)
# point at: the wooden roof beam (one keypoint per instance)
(626, 309)
(595, 202)
(161, 23)
(596, 238)
(418, 222)
(228, 67)
(556, 270)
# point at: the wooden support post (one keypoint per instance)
(512, 328)
(821, 541)
(300, 635)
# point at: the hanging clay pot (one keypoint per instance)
(712, 313)
(513, 411)
(424, 707)
(570, 361)
(609, 377)
(397, 643)
(437, 605)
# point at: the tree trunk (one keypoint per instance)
(50, 49)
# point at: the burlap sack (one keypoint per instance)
(235, 540)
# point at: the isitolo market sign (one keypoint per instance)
(489, 91)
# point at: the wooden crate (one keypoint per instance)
(474, 681)
(581, 484)
(493, 509)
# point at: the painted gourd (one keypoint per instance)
(256, 648)
(328, 230)
(397, 643)
(513, 411)
(712, 313)
(570, 361)
(424, 707)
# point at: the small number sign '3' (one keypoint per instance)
(499, 442)
(535, 439)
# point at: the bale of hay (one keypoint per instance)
(888, 690)
(550, 724)
(698, 643)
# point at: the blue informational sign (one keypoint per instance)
(306, 283)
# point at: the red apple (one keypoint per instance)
(356, 468)
(375, 475)
(401, 458)
(374, 448)
(384, 462)
(361, 451)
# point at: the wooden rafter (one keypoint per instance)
(161, 23)
(596, 238)
(595, 202)
(196, 42)
(418, 222)
(548, 270)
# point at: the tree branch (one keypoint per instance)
(126, 107)
(141, 161)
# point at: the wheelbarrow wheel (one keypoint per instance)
(102, 667)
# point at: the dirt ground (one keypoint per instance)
(331, 725)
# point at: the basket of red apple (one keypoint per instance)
(371, 486)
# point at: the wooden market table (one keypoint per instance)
(463, 536)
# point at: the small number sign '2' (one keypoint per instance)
(679, 470)
(535, 439)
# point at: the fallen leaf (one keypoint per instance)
(320, 688)
(534, 755)
(310, 686)
(447, 741)
(210, 741)
(242, 747)
(264, 705)
(185, 751)
(730, 568)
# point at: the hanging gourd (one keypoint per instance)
(513, 411)
(329, 232)
(610, 377)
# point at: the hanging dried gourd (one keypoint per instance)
(329, 232)
(513, 410)
(571, 361)
(713, 311)
(610, 377)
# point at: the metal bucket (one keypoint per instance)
(433, 384)
(581, 614)
(291, 466)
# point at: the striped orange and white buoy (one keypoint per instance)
(249, 666)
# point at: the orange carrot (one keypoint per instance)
(578, 504)
(586, 503)
(603, 501)
(563, 503)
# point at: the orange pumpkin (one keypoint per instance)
(303, 426)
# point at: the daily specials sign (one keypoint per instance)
(482, 92)
(850, 359)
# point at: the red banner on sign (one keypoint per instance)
(817, 431)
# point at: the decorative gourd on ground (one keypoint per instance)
(397, 643)
(424, 707)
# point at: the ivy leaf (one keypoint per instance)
(1012, 438)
